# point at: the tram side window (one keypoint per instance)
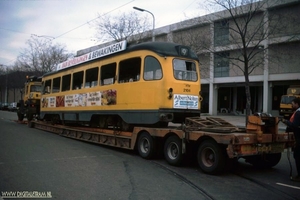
(56, 85)
(47, 87)
(184, 70)
(77, 80)
(66, 82)
(152, 69)
(91, 77)
(129, 70)
(108, 74)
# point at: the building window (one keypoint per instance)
(221, 33)
(221, 65)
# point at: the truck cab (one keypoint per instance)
(29, 105)
(286, 101)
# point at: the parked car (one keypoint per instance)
(4, 106)
(12, 107)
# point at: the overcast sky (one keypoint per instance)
(19, 19)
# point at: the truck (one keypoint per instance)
(215, 143)
(285, 109)
(29, 106)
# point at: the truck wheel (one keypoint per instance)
(264, 161)
(20, 116)
(146, 145)
(210, 157)
(29, 116)
(173, 150)
(30, 124)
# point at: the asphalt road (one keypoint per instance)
(34, 160)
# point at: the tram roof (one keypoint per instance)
(161, 48)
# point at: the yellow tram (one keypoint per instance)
(147, 84)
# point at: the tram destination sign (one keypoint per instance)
(102, 52)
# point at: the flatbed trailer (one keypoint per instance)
(215, 142)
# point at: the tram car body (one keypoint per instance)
(145, 84)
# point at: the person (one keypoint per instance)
(293, 125)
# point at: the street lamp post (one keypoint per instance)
(143, 10)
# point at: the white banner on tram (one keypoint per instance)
(105, 51)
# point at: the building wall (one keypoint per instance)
(204, 60)
(288, 13)
(284, 58)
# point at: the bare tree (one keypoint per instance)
(242, 32)
(122, 27)
(42, 55)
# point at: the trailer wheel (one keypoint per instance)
(210, 157)
(30, 124)
(29, 116)
(146, 145)
(20, 116)
(173, 150)
(264, 161)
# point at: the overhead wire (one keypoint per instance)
(52, 38)
(94, 19)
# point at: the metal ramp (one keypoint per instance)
(210, 124)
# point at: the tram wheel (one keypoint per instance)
(102, 122)
(125, 126)
(55, 119)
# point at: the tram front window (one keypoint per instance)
(184, 70)
(35, 88)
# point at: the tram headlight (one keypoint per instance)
(170, 93)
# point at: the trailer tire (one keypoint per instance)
(30, 124)
(173, 150)
(211, 157)
(146, 145)
(29, 116)
(264, 161)
(20, 116)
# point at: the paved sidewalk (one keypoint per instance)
(238, 120)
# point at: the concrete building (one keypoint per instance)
(272, 41)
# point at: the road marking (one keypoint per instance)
(288, 186)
